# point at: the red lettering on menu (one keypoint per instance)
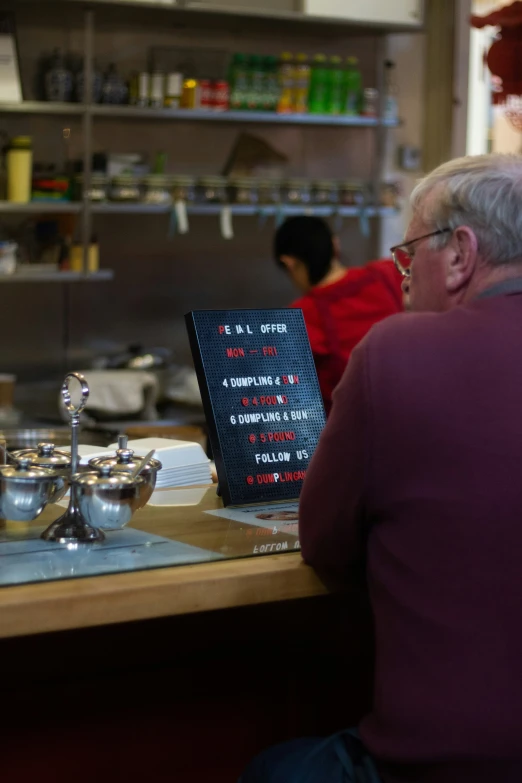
(269, 350)
(235, 353)
(221, 329)
(279, 399)
(273, 399)
(277, 437)
(280, 478)
(290, 379)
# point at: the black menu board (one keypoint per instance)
(261, 398)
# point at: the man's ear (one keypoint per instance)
(462, 258)
(337, 247)
(290, 262)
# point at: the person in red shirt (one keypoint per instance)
(339, 305)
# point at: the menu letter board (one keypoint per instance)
(261, 398)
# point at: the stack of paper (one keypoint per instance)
(184, 463)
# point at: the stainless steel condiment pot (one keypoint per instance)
(125, 460)
(107, 499)
(46, 456)
(25, 490)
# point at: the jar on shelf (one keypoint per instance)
(352, 193)
(243, 190)
(184, 189)
(297, 192)
(325, 192)
(212, 190)
(370, 107)
(157, 189)
(269, 192)
(389, 194)
(126, 187)
(99, 189)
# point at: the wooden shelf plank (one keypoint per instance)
(242, 210)
(260, 117)
(40, 207)
(57, 277)
(193, 115)
(42, 107)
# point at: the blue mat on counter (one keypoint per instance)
(25, 558)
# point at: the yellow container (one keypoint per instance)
(19, 164)
(93, 258)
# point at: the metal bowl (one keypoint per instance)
(46, 456)
(107, 499)
(125, 462)
(25, 491)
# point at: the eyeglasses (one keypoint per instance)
(403, 256)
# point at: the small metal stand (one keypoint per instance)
(71, 527)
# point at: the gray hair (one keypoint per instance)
(483, 192)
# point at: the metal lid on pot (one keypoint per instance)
(104, 477)
(124, 460)
(24, 471)
(45, 456)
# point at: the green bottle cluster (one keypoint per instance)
(254, 84)
(291, 84)
(335, 87)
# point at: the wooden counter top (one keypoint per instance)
(159, 592)
(103, 600)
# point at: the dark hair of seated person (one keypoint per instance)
(310, 240)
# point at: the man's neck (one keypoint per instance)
(337, 271)
(491, 277)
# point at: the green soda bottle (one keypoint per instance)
(256, 83)
(271, 91)
(335, 92)
(238, 78)
(317, 98)
(352, 87)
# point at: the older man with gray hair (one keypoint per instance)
(418, 476)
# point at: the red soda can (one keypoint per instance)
(221, 96)
(206, 93)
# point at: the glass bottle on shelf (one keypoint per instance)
(238, 78)
(256, 84)
(391, 111)
(271, 87)
(370, 107)
(301, 86)
(352, 87)
(286, 83)
(318, 85)
(334, 92)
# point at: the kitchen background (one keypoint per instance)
(52, 327)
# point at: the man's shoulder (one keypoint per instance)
(409, 331)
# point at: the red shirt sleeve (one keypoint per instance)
(386, 271)
(313, 324)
